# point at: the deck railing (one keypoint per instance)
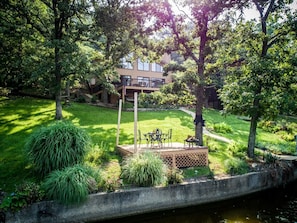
(147, 82)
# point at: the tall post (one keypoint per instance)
(135, 122)
(119, 121)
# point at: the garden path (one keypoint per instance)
(205, 131)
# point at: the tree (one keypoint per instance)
(13, 30)
(189, 34)
(53, 28)
(54, 41)
(261, 69)
(115, 28)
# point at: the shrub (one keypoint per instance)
(110, 180)
(175, 176)
(70, 185)
(236, 166)
(93, 157)
(269, 158)
(280, 148)
(57, 146)
(278, 126)
(222, 128)
(25, 194)
(237, 149)
(81, 99)
(267, 125)
(144, 169)
(98, 154)
(286, 136)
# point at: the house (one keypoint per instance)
(138, 76)
(144, 77)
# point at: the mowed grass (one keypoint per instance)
(241, 127)
(20, 116)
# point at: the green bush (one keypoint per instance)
(269, 158)
(236, 166)
(237, 149)
(175, 176)
(70, 185)
(144, 169)
(24, 195)
(280, 148)
(222, 128)
(267, 125)
(57, 146)
(110, 180)
(98, 154)
(286, 136)
(151, 100)
(279, 126)
(80, 99)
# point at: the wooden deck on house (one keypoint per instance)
(175, 155)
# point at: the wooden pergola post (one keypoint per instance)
(135, 122)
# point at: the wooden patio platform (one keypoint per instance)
(175, 155)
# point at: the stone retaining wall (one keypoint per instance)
(103, 206)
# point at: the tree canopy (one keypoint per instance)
(258, 83)
(45, 43)
(53, 41)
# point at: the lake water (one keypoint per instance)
(272, 206)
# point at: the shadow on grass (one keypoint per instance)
(18, 118)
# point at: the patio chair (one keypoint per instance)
(169, 137)
(158, 138)
(140, 139)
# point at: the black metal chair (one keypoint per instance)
(169, 137)
(158, 137)
(140, 139)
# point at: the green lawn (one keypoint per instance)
(20, 116)
(240, 131)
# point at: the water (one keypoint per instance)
(272, 206)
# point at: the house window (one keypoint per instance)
(126, 63)
(143, 81)
(143, 65)
(157, 67)
(158, 82)
(126, 80)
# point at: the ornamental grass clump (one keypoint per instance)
(57, 146)
(70, 185)
(236, 166)
(144, 169)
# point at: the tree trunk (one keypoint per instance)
(198, 118)
(199, 122)
(59, 115)
(253, 126)
(58, 34)
(256, 103)
(252, 137)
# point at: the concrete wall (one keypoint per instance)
(103, 206)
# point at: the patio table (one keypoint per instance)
(154, 137)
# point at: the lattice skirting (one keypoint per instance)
(186, 158)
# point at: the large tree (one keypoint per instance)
(13, 31)
(260, 65)
(48, 50)
(188, 33)
(53, 41)
(115, 27)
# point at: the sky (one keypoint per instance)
(253, 13)
(249, 13)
